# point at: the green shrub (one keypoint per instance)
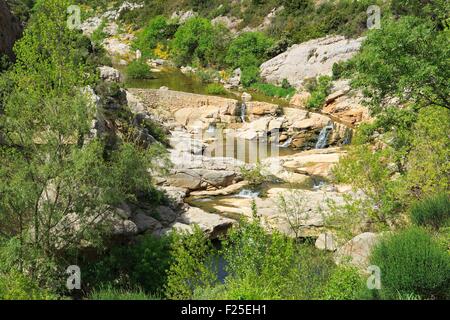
(198, 42)
(17, 286)
(158, 30)
(248, 50)
(345, 283)
(140, 265)
(138, 69)
(433, 211)
(254, 175)
(110, 293)
(270, 266)
(411, 262)
(319, 92)
(250, 75)
(192, 268)
(157, 131)
(216, 89)
(99, 35)
(274, 91)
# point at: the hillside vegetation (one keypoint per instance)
(72, 153)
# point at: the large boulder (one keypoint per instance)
(309, 60)
(212, 224)
(258, 108)
(145, 223)
(357, 250)
(187, 179)
(110, 74)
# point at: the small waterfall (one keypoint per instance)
(348, 136)
(211, 128)
(323, 136)
(286, 144)
(243, 111)
(248, 194)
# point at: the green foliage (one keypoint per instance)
(411, 262)
(345, 283)
(427, 162)
(109, 293)
(158, 31)
(99, 35)
(139, 69)
(274, 91)
(433, 211)
(5, 62)
(250, 75)
(254, 175)
(368, 171)
(248, 49)
(48, 155)
(247, 52)
(198, 42)
(319, 92)
(137, 265)
(407, 55)
(437, 10)
(270, 266)
(18, 286)
(193, 266)
(216, 89)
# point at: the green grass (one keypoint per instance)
(110, 293)
(274, 91)
(216, 89)
(433, 211)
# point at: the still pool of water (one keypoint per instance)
(174, 79)
(248, 151)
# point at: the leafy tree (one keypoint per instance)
(193, 266)
(158, 31)
(198, 42)
(427, 162)
(248, 50)
(58, 182)
(408, 60)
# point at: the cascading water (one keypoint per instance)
(286, 144)
(211, 129)
(243, 111)
(348, 136)
(323, 136)
(248, 194)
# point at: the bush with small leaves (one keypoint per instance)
(433, 211)
(412, 262)
(139, 70)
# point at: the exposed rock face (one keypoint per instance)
(183, 16)
(195, 111)
(309, 59)
(10, 30)
(109, 74)
(346, 104)
(232, 23)
(357, 250)
(212, 224)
